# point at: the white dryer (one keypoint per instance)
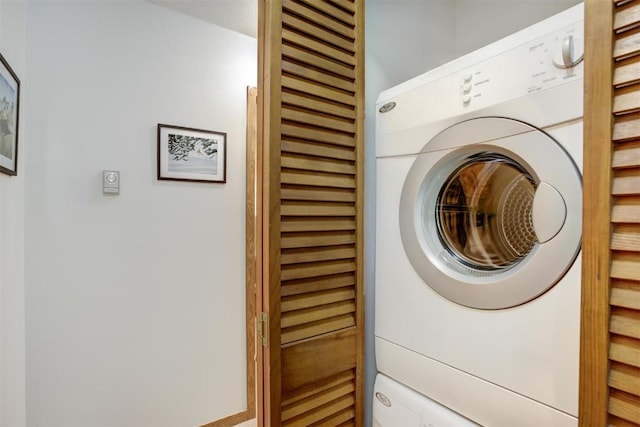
(479, 205)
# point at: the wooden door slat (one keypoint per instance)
(318, 120)
(323, 49)
(627, 17)
(614, 421)
(318, 194)
(319, 105)
(625, 322)
(319, 18)
(307, 271)
(317, 76)
(627, 100)
(329, 9)
(624, 405)
(627, 155)
(299, 54)
(627, 72)
(627, 45)
(325, 411)
(627, 128)
(341, 419)
(626, 238)
(299, 302)
(304, 392)
(625, 350)
(347, 5)
(301, 225)
(317, 135)
(626, 185)
(299, 287)
(326, 92)
(626, 294)
(314, 314)
(318, 32)
(329, 253)
(319, 180)
(625, 213)
(317, 239)
(625, 269)
(625, 378)
(317, 211)
(318, 165)
(315, 401)
(318, 150)
(314, 329)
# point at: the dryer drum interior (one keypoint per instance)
(484, 212)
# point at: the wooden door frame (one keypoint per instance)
(267, 302)
(253, 239)
(596, 234)
(253, 246)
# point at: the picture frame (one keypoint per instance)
(189, 154)
(9, 118)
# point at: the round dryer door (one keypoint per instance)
(491, 224)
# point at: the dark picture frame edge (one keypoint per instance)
(13, 75)
(185, 129)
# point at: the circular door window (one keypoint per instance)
(496, 224)
(484, 212)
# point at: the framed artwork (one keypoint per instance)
(188, 154)
(9, 108)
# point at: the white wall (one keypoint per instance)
(135, 302)
(12, 196)
(480, 22)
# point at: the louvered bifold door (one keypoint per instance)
(610, 369)
(312, 71)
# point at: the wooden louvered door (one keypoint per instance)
(610, 349)
(311, 94)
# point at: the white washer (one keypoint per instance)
(395, 405)
(479, 205)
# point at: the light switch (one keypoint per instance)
(111, 182)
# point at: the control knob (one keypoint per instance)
(571, 53)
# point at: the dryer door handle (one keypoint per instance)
(549, 212)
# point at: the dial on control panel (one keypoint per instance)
(570, 54)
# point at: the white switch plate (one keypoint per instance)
(110, 182)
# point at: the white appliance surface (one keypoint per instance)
(502, 367)
(398, 406)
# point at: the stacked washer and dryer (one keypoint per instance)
(479, 204)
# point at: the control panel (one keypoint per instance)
(540, 64)
(534, 75)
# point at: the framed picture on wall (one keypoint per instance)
(188, 154)
(9, 108)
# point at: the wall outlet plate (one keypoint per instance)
(110, 182)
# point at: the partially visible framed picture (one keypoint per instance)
(187, 154)
(9, 108)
